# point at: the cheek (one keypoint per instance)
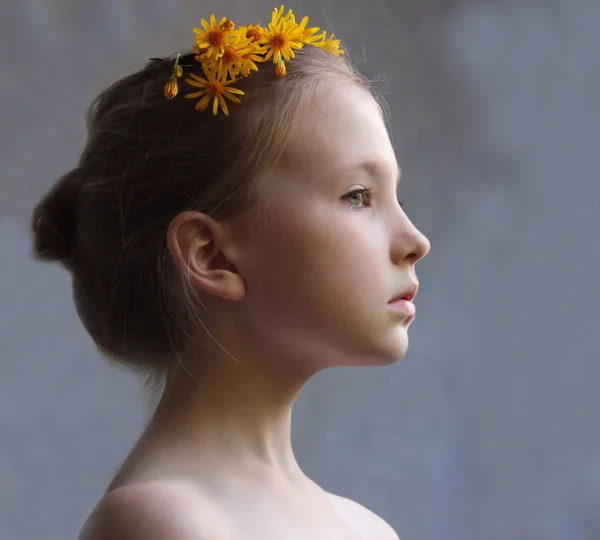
(318, 269)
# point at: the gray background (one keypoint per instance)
(488, 429)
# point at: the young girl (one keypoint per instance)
(229, 251)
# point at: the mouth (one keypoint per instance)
(408, 294)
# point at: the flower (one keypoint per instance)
(282, 36)
(177, 69)
(239, 56)
(213, 87)
(214, 36)
(252, 57)
(329, 44)
(280, 69)
(254, 31)
(171, 88)
(225, 54)
(307, 33)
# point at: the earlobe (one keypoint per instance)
(197, 243)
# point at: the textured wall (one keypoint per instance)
(488, 429)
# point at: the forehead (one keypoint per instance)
(342, 128)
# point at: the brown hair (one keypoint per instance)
(147, 160)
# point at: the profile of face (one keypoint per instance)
(316, 269)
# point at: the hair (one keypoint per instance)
(145, 161)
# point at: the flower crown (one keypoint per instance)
(226, 54)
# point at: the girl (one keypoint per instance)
(229, 251)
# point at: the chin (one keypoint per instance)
(391, 353)
(397, 347)
(398, 355)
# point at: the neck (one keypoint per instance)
(230, 419)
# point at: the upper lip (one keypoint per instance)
(408, 294)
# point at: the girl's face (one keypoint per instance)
(323, 259)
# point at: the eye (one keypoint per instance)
(359, 195)
(365, 193)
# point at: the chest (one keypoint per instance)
(274, 520)
(275, 528)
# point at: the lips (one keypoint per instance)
(408, 294)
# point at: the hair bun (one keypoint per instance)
(54, 220)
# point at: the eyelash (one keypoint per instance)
(370, 194)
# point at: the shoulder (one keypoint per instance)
(153, 511)
(364, 519)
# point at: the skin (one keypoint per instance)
(301, 285)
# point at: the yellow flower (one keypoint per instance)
(329, 44)
(214, 36)
(225, 54)
(282, 36)
(254, 31)
(280, 69)
(171, 88)
(252, 56)
(307, 33)
(239, 56)
(212, 88)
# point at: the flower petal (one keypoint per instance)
(311, 38)
(195, 84)
(276, 15)
(203, 103)
(223, 105)
(269, 54)
(198, 78)
(209, 72)
(232, 98)
(194, 94)
(234, 91)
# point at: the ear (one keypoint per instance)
(199, 246)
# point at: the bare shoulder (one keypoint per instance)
(364, 519)
(153, 511)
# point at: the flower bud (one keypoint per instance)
(280, 69)
(171, 88)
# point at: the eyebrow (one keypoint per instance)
(374, 168)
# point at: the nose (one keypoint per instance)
(410, 244)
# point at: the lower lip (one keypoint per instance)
(404, 305)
